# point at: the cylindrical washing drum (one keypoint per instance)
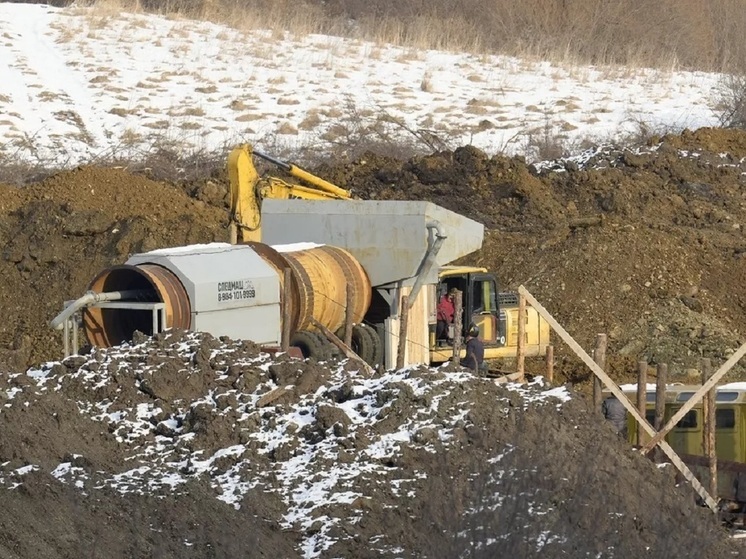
(191, 282)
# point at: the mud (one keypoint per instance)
(179, 447)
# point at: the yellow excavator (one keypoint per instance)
(248, 189)
(494, 313)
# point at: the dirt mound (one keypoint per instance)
(647, 246)
(188, 446)
(55, 236)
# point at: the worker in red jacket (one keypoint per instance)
(445, 312)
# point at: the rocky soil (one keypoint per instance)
(187, 446)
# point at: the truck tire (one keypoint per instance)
(310, 345)
(362, 343)
(376, 356)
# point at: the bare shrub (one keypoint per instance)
(21, 172)
(426, 84)
(545, 142)
(357, 131)
(731, 105)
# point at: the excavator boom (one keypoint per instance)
(248, 189)
(332, 189)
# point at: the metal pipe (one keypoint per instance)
(429, 258)
(91, 297)
(75, 325)
(66, 336)
(310, 178)
(281, 164)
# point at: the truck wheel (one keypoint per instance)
(310, 345)
(361, 344)
(376, 356)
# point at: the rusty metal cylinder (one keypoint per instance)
(106, 327)
(320, 277)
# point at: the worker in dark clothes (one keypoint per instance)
(446, 310)
(474, 359)
(616, 414)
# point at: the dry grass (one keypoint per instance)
(618, 39)
(667, 34)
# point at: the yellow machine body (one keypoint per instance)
(248, 189)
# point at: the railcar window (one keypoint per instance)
(650, 396)
(650, 416)
(727, 396)
(725, 419)
(689, 421)
(684, 396)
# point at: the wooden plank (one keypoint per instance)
(508, 377)
(347, 350)
(550, 364)
(270, 397)
(418, 328)
(612, 386)
(710, 423)
(696, 397)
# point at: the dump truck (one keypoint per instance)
(324, 258)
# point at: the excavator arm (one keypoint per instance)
(248, 189)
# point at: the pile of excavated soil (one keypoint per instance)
(188, 446)
(55, 236)
(648, 247)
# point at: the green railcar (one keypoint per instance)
(687, 437)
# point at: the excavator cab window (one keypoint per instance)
(482, 306)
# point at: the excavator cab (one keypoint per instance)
(480, 302)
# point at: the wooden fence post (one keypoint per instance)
(709, 415)
(458, 321)
(657, 438)
(521, 349)
(642, 395)
(660, 395)
(550, 364)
